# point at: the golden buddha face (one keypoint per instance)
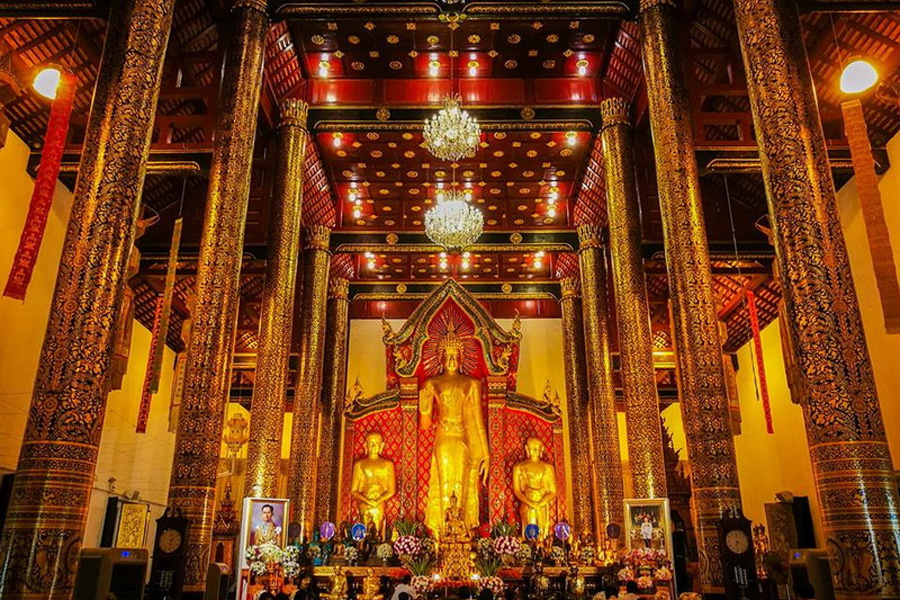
(374, 445)
(451, 359)
(534, 448)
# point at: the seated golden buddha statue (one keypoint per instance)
(371, 587)
(338, 587)
(373, 482)
(456, 542)
(534, 485)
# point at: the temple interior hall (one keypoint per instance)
(449, 299)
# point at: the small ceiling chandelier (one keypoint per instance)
(453, 222)
(452, 134)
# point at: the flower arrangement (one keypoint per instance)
(421, 585)
(663, 573)
(291, 561)
(428, 546)
(384, 551)
(588, 555)
(507, 548)
(351, 553)
(690, 596)
(260, 558)
(525, 554)
(488, 567)
(645, 582)
(493, 584)
(407, 542)
(646, 557)
(420, 567)
(485, 547)
(557, 555)
(662, 594)
(407, 545)
(314, 551)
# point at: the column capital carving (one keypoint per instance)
(317, 238)
(258, 5)
(293, 113)
(589, 236)
(569, 287)
(649, 4)
(339, 288)
(615, 111)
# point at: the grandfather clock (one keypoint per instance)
(167, 572)
(736, 550)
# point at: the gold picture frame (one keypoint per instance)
(648, 523)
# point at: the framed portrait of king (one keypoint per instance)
(263, 521)
(647, 524)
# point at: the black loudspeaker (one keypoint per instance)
(806, 534)
(218, 579)
(110, 572)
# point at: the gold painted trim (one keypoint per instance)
(168, 167)
(431, 248)
(342, 126)
(390, 297)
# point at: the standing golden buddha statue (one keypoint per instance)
(373, 483)
(460, 439)
(534, 485)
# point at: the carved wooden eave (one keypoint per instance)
(415, 331)
(361, 407)
(541, 409)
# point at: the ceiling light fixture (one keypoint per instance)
(858, 76)
(582, 66)
(571, 138)
(46, 82)
(452, 134)
(324, 68)
(453, 223)
(434, 67)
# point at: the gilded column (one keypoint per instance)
(302, 480)
(645, 444)
(277, 310)
(208, 366)
(334, 368)
(577, 404)
(55, 475)
(595, 311)
(704, 397)
(850, 456)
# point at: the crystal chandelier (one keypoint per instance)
(453, 222)
(452, 134)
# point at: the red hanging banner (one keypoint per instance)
(147, 393)
(760, 364)
(44, 186)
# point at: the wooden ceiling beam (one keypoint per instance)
(60, 9)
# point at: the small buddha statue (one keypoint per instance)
(337, 585)
(371, 587)
(534, 485)
(455, 529)
(456, 542)
(373, 483)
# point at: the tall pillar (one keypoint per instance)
(850, 455)
(595, 311)
(645, 444)
(208, 367)
(577, 404)
(704, 396)
(302, 480)
(334, 368)
(277, 310)
(55, 475)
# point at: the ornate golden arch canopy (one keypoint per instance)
(451, 307)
